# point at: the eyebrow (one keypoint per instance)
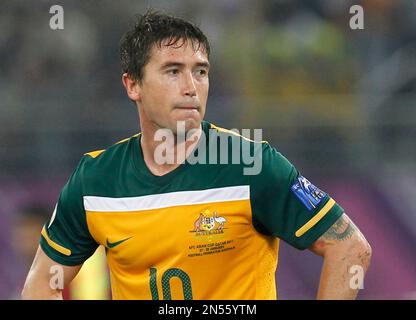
(169, 64)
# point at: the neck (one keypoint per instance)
(177, 150)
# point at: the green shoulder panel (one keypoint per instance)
(65, 237)
(287, 205)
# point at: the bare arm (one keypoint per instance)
(47, 278)
(344, 249)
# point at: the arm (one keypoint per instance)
(40, 282)
(342, 246)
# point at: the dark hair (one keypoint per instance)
(153, 28)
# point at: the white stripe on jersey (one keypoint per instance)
(53, 216)
(165, 200)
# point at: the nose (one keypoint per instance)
(189, 88)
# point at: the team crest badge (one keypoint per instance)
(209, 234)
(209, 223)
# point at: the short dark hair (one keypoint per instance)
(153, 28)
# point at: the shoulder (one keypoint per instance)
(276, 170)
(235, 134)
(259, 158)
(99, 157)
(105, 161)
(248, 138)
(242, 142)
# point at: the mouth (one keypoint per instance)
(187, 107)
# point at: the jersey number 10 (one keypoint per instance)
(167, 275)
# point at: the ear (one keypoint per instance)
(132, 87)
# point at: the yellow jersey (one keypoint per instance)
(202, 231)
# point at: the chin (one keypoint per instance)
(190, 123)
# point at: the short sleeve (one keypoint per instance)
(65, 237)
(287, 205)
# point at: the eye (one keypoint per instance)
(202, 72)
(173, 71)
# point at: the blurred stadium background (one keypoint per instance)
(339, 103)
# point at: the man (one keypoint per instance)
(182, 230)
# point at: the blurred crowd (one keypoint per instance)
(323, 93)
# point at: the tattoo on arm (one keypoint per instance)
(341, 230)
(346, 232)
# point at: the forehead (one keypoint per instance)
(185, 51)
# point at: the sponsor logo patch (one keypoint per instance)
(307, 193)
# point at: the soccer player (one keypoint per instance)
(188, 230)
